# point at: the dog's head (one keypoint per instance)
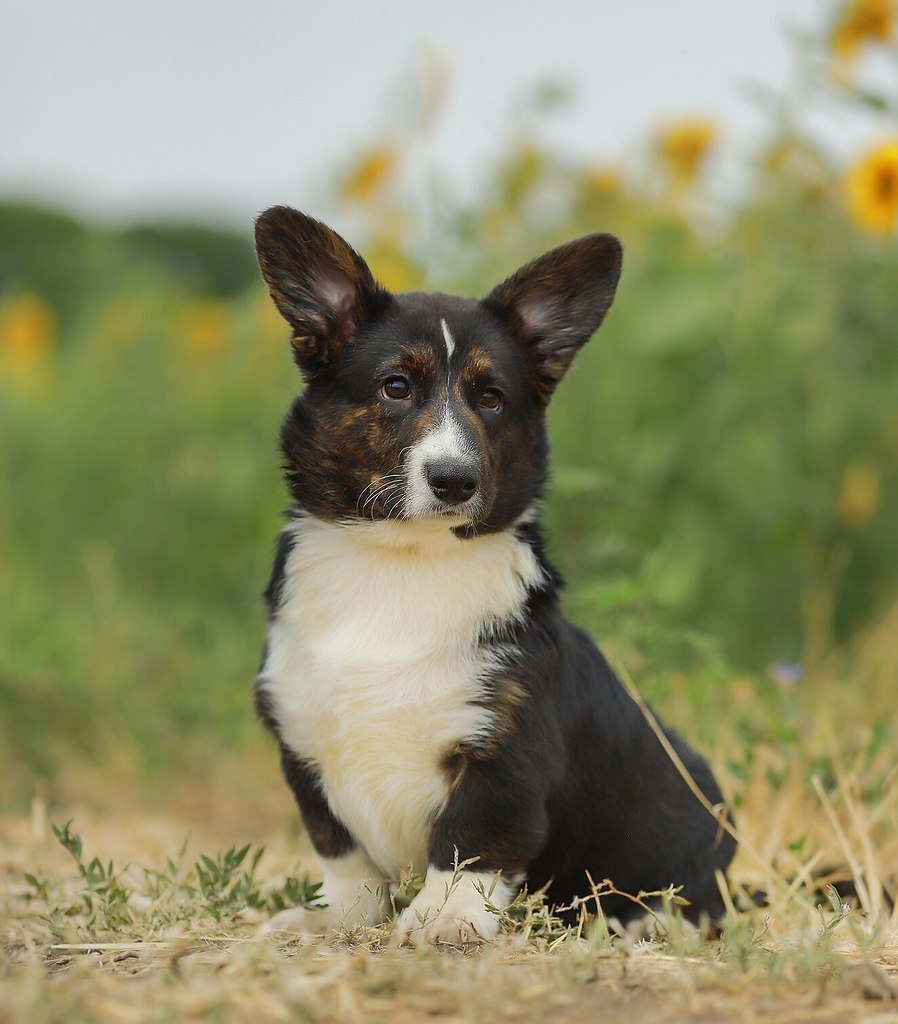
(425, 405)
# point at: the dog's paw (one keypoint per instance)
(353, 893)
(451, 909)
(649, 927)
(309, 924)
(313, 923)
(432, 927)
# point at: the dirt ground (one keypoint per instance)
(202, 970)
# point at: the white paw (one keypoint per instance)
(648, 927)
(450, 909)
(365, 910)
(353, 890)
(638, 929)
(298, 920)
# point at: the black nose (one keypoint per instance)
(453, 482)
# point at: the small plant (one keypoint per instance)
(295, 892)
(830, 920)
(226, 888)
(104, 897)
(40, 885)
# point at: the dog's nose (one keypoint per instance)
(453, 481)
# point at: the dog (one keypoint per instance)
(434, 709)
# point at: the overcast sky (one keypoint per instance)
(129, 107)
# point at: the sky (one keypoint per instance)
(214, 108)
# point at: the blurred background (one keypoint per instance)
(725, 493)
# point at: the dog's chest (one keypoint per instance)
(376, 665)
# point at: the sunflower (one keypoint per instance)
(369, 174)
(27, 332)
(207, 328)
(858, 497)
(872, 189)
(861, 22)
(685, 147)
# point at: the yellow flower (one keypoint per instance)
(369, 174)
(685, 147)
(872, 189)
(207, 325)
(600, 182)
(27, 332)
(861, 22)
(859, 494)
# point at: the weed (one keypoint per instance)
(226, 890)
(104, 897)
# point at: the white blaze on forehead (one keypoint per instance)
(447, 337)
(447, 441)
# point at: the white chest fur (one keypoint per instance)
(373, 665)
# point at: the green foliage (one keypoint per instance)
(104, 898)
(224, 887)
(75, 266)
(48, 252)
(197, 257)
(718, 415)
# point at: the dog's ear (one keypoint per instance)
(556, 302)
(319, 283)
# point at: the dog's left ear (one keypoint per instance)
(556, 302)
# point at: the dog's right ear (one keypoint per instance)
(319, 283)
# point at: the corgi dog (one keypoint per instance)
(433, 707)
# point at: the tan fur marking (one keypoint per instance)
(477, 366)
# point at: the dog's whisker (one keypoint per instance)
(378, 488)
(375, 496)
(398, 501)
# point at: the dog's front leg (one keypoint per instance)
(354, 890)
(493, 825)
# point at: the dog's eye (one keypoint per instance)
(397, 389)
(490, 399)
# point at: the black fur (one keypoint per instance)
(274, 591)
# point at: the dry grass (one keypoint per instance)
(166, 958)
(138, 935)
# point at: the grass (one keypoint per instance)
(172, 949)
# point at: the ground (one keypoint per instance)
(153, 930)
